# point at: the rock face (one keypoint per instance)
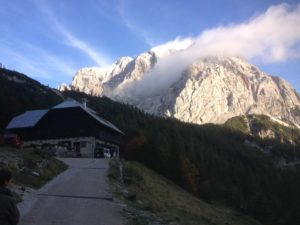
(90, 80)
(208, 90)
(214, 90)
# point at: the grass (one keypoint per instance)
(237, 123)
(158, 199)
(264, 123)
(23, 162)
(286, 134)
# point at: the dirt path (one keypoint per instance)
(78, 196)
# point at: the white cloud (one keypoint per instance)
(84, 47)
(24, 64)
(177, 45)
(69, 38)
(271, 37)
(34, 61)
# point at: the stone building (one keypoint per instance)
(70, 126)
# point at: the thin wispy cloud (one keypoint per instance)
(47, 60)
(20, 52)
(84, 47)
(35, 61)
(271, 37)
(69, 38)
(26, 64)
(145, 35)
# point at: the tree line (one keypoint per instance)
(211, 161)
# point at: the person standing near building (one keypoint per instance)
(9, 213)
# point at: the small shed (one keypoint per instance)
(71, 127)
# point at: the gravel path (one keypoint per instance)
(80, 196)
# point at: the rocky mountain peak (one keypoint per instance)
(90, 79)
(214, 90)
(208, 90)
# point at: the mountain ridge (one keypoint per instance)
(208, 90)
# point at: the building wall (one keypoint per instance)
(67, 146)
(85, 147)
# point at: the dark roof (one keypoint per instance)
(27, 119)
(71, 103)
(30, 118)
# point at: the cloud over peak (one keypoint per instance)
(273, 36)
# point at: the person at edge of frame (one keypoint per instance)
(9, 213)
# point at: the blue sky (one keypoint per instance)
(50, 40)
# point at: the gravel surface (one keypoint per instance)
(80, 196)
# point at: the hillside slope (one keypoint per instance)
(153, 199)
(31, 168)
(265, 127)
(214, 162)
(19, 93)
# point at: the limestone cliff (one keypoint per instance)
(208, 90)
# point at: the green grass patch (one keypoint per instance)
(286, 134)
(31, 167)
(173, 205)
(238, 123)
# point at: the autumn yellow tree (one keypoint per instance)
(190, 175)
